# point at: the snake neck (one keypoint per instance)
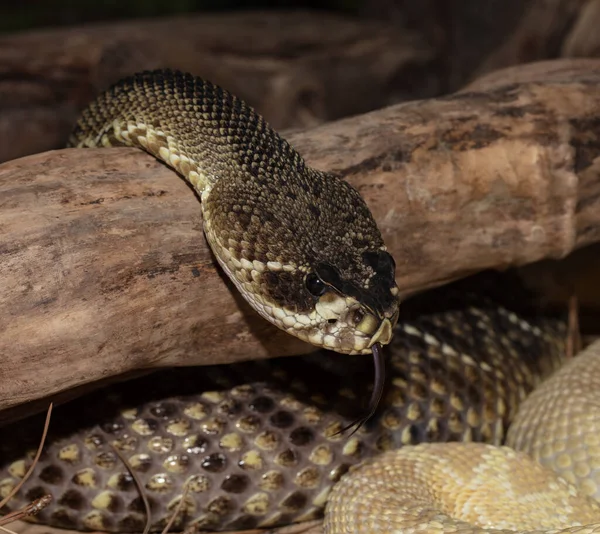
(197, 128)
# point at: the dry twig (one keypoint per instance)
(140, 488)
(35, 461)
(32, 508)
(37, 505)
(177, 509)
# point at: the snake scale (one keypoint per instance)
(262, 444)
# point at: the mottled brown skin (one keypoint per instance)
(258, 441)
(261, 204)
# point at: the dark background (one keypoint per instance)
(24, 14)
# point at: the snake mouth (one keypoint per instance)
(383, 335)
(384, 330)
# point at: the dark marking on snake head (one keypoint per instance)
(287, 289)
(317, 189)
(315, 211)
(377, 297)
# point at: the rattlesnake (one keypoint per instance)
(303, 249)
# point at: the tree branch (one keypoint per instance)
(105, 270)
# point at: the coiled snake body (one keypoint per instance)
(259, 444)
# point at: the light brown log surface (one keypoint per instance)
(104, 268)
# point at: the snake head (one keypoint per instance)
(308, 256)
(356, 310)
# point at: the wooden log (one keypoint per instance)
(475, 37)
(544, 31)
(104, 268)
(296, 68)
(583, 39)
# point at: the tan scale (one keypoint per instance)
(69, 454)
(161, 483)
(85, 477)
(198, 483)
(17, 469)
(231, 442)
(103, 500)
(161, 444)
(271, 481)
(176, 463)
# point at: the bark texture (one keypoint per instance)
(105, 270)
(297, 68)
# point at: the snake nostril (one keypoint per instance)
(332, 321)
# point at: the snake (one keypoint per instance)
(262, 444)
(300, 245)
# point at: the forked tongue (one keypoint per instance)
(378, 387)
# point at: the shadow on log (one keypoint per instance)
(105, 270)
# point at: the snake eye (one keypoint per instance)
(314, 285)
